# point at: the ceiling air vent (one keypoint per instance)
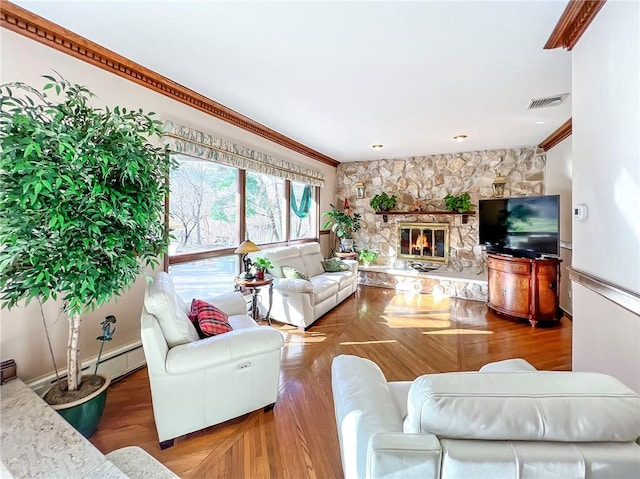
(545, 102)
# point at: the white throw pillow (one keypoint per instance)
(161, 301)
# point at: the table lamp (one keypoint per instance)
(244, 249)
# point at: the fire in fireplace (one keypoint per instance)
(423, 241)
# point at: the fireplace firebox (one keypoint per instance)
(423, 242)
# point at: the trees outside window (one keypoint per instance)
(203, 206)
(266, 208)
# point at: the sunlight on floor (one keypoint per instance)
(457, 331)
(416, 321)
(382, 341)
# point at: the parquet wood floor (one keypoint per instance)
(406, 335)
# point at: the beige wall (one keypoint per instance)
(606, 178)
(21, 330)
(558, 182)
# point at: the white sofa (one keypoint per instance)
(196, 383)
(505, 421)
(300, 302)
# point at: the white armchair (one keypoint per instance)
(196, 383)
(505, 421)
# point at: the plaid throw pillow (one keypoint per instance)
(208, 320)
(334, 265)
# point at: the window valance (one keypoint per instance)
(187, 141)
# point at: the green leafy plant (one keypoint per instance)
(383, 202)
(261, 263)
(460, 203)
(82, 198)
(342, 223)
(367, 256)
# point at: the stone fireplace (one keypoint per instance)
(423, 242)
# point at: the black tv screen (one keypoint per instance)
(525, 226)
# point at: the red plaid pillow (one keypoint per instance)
(208, 320)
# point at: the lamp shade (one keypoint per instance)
(247, 247)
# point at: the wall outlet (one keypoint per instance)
(580, 212)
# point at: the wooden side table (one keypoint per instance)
(254, 285)
(346, 255)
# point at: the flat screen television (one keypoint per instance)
(527, 226)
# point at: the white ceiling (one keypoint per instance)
(341, 76)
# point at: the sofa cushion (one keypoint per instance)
(334, 265)
(286, 255)
(312, 258)
(344, 278)
(161, 301)
(210, 320)
(291, 273)
(323, 287)
(524, 406)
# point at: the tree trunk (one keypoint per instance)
(73, 352)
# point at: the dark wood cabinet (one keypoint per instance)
(524, 288)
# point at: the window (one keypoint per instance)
(203, 206)
(303, 211)
(266, 208)
(204, 278)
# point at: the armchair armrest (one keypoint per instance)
(222, 349)
(231, 303)
(292, 285)
(400, 455)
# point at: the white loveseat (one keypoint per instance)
(505, 421)
(196, 383)
(300, 302)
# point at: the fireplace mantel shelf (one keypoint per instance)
(464, 215)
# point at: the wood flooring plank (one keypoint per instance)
(407, 335)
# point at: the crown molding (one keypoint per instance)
(557, 136)
(572, 24)
(30, 25)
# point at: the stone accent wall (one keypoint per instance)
(422, 182)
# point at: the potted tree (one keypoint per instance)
(344, 224)
(81, 195)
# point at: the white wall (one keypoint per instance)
(558, 173)
(606, 145)
(606, 177)
(21, 331)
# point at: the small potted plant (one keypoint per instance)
(383, 202)
(261, 264)
(367, 256)
(460, 203)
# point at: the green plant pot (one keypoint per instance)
(84, 414)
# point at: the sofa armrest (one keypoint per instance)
(293, 285)
(221, 349)
(352, 264)
(400, 455)
(231, 303)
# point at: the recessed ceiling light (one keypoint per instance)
(460, 137)
(377, 146)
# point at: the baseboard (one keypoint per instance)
(115, 363)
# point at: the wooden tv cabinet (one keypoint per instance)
(524, 288)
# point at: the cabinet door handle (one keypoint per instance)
(553, 285)
(504, 291)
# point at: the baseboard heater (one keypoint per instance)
(115, 363)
